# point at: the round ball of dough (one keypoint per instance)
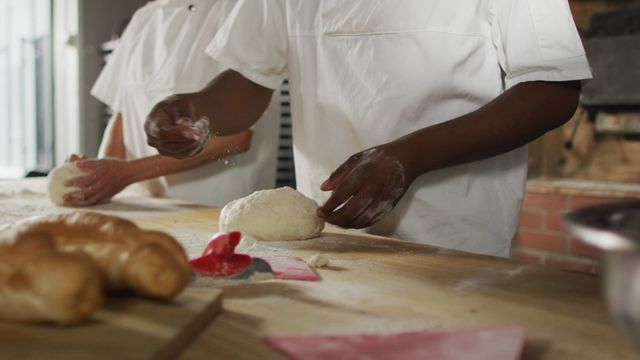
(281, 214)
(56, 188)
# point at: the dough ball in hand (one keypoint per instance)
(282, 214)
(56, 188)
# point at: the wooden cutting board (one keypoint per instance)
(126, 328)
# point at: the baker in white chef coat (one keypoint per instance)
(410, 118)
(162, 52)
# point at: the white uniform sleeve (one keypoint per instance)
(537, 40)
(254, 42)
(107, 86)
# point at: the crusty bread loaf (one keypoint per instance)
(151, 263)
(40, 283)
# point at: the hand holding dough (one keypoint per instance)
(281, 214)
(56, 188)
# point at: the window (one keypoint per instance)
(26, 85)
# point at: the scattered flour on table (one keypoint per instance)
(249, 245)
(318, 261)
(490, 277)
(192, 240)
(23, 204)
(23, 193)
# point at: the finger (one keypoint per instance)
(177, 134)
(346, 216)
(171, 146)
(156, 120)
(75, 157)
(187, 149)
(87, 165)
(199, 128)
(94, 188)
(162, 122)
(73, 198)
(374, 213)
(100, 197)
(88, 201)
(82, 181)
(87, 197)
(154, 142)
(342, 193)
(72, 158)
(338, 175)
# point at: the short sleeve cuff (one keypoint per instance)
(269, 81)
(571, 70)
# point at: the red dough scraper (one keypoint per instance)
(219, 262)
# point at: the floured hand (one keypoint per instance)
(366, 187)
(176, 129)
(103, 179)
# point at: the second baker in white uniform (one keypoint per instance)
(162, 52)
(433, 100)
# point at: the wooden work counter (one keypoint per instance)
(374, 285)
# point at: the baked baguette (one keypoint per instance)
(151, 263)
(38, 283)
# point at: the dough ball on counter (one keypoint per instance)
(281, 214)
(56, 188)
(318, 261)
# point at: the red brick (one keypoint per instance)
(581, 249)
(545, 201)
(541, 241)
(576, 201)
(528, 258)
(555, 223)
(571, 265)
(530, 219)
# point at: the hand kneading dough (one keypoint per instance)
(56, 179)
(281, 214)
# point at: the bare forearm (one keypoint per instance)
(231, 102)
(217, 148)
(520, 115)
(115, 142)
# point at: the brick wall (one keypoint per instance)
(542, 237)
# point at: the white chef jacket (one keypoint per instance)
(161, 53)
(366, 72)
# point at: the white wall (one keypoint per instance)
(98, 18)
(65, 30)
(80, 28)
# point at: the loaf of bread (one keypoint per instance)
(150, 263)
(40, 283)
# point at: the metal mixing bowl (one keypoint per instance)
(615, 229)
